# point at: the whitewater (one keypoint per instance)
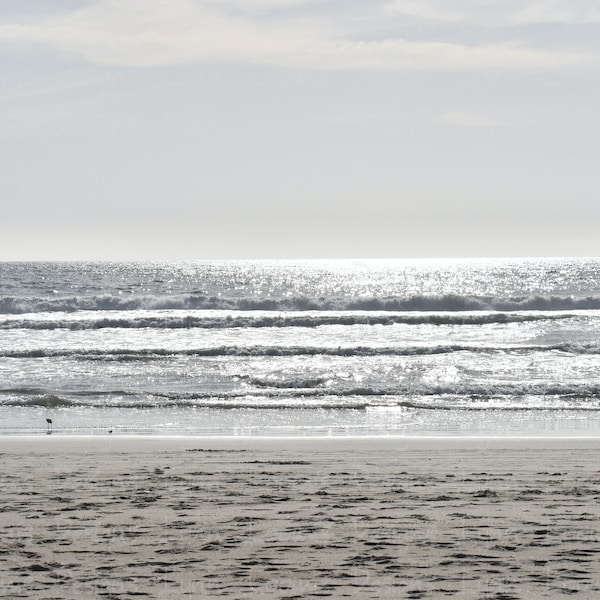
(302, 348)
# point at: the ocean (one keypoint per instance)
(301, 348)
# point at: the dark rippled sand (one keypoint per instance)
(150, 518)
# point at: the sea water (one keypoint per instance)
(345, 347)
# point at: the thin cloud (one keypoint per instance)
(559, 11)
(500, 12)
(148, 33)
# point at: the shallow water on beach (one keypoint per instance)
(478, 347)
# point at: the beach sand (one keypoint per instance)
(113, 517)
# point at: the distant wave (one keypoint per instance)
(126, 354)
(441, 303)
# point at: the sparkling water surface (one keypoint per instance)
(449, 347)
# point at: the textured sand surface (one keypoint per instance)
(201, 518)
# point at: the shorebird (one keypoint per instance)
(49, 421)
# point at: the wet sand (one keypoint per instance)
(112, 517)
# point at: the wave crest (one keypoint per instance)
(126, 354)
(424, 303)
(45, 401)
(229, 321)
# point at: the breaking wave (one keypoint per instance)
(441, 303)
(313, 382)
(126, 354)
(158, 321)
(538, 397)
(45, 401)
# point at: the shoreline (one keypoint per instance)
(301, 445)
(140, 442)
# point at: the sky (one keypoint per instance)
(198, 129)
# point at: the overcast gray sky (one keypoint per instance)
(182, 129)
